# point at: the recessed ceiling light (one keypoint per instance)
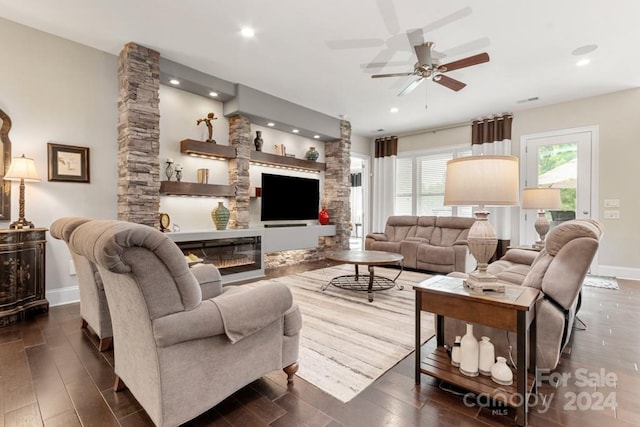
(248, 32)
(394, 109)
(271, 124)
(583, 50)
(174, 81)
(583, 62)
(316, 136)
(295, 131)
(214, 94)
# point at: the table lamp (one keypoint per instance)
(482, 181)
(22, 169)
(541, 199)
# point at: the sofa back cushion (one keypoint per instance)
(399, 228)
(426, 225)
(448, 230)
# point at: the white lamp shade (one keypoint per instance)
(541, 198)
(22, 168)
(482, 180)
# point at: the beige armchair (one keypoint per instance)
(558, 271)
(94, 309)
(178, 353)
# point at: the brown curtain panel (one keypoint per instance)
(491, 129)
(386, 147)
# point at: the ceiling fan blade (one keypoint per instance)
(377, 76)
(415, 37)
(465, 62)
(466, 11)
(372, 66)
(390, 17)
(354, 44)
(414, 84)
(423, 52)
(452, 84)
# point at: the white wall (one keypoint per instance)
(58, 91)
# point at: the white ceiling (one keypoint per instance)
(294, 56)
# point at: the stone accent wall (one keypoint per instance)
(240, 138)
(337, 187)
(138, 135)
(285, 258)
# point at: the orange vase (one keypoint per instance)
(323, 217)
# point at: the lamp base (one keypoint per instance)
(481, 281)
(20, 224)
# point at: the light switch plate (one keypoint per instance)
(72, 268)
(612, 203)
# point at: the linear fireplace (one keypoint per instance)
(231, 255)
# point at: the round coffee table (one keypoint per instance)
(357, 282)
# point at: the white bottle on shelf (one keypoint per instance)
(487, 356)
(455, 352)
(469, 351)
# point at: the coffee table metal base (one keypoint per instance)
(370, 283)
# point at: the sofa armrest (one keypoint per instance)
(416, 239)
(202, 322)
(379, 237)
(464, 242)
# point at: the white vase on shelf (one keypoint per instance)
(501, 373)
(469, 350)
(455, 352)
(487, 356)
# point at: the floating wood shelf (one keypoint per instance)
(207, 149)
(174, 188)
(274, 160)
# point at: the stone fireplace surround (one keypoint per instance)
(139, 167)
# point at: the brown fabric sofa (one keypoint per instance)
(432, 243)
(178, 353)
(558, 271)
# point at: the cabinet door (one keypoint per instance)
(19, 271)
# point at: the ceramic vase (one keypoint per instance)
(168, 171)
(455, 352)
(487, 356)
(258, 141)
(323, 216)
(312, 154)
(501, 373)
(220, 216)
(469, 350)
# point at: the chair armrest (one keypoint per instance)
(202, 322)
(209, 278)
(461, 242)
(380, 237)
(245, 313)
(520, 256)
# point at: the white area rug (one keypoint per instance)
(601, 282)
(347, 342)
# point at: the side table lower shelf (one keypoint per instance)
(438, 365)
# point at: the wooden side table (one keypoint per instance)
(513, 310)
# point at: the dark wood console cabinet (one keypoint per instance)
(22, 273)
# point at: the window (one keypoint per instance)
(420, 183)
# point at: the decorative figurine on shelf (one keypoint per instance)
(178, 172)
(258, 141)
(312, 154)
(207, 120)
(168, 170)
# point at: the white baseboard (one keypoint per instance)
(63, 296)
(621, 272)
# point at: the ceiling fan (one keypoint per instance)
(429, 68)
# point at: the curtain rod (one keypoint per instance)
(438, 129)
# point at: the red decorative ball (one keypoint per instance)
(323, 217)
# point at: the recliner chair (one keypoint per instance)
(558, 271)
(180, 354)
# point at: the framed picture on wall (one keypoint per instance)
(68, 163)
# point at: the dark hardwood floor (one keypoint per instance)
(52, 374)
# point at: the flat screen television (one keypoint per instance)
(287, 198)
